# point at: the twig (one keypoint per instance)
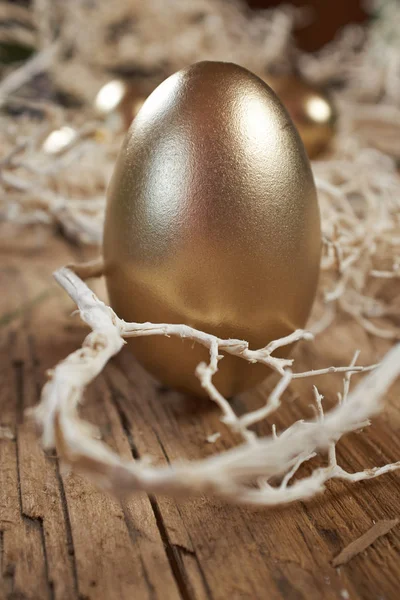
(230, 474)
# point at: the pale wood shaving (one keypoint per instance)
(364, 541)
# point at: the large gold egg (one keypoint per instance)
(212, 221)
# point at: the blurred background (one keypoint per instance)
(325, 18)
(93, 25)
(73, 75)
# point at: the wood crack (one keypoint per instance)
(172, 550)
(18, 367)
(173, 555)
(64, 505)
(133, 534)
(184, 550)
(35, 522)
(68, 528)
(1, 552)
(124, 422)
(19, 384)
(161, 445)
(193, 553)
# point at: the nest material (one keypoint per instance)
(232, 475)
(359, 192)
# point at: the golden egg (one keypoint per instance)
(131, 105)
(118, 95)
(311, 109)
(212, 220)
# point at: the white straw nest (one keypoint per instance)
(231, 475)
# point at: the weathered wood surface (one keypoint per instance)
(61, 539)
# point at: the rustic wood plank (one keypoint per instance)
(222, 537)
(60, 538)
(302, 538)
(87, 540)
(23, 558)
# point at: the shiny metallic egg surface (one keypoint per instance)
(212, 220)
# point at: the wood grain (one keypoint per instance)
(60, 538)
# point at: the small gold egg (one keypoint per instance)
(122, 97)
(212, 221)
(311, 109)
(131, 105)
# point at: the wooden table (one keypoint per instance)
(62, 539)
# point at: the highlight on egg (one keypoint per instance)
(212, 220)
